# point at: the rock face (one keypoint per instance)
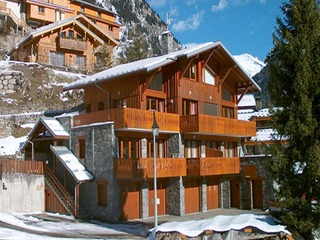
(13, 81)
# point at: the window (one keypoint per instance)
(228, 112)
(81, 62)
(82, 9)
(99, 14)
(110, 28)
(88, 108)
(156, 83)
(190, 72)
(129, 148)
(230, 149)
(191, 149)
(63, 34)
(208, 76)
(101, 192)
(156, 104)
(100, 106)
(226, 94)
(56, 59)
(120, 103)
(40, 9)
(82, 147)
(71, 34)
(189, 107)
(160, 148)
(59, 15)
(211, 109)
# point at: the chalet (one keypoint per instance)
(69, 34)
(193, 96)
(74, 43)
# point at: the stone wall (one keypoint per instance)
(13, 81)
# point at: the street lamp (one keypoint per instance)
(155, 133)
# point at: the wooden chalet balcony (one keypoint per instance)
(143, 168)
(72, 43)
(213, 166)
(217, 125)
(130, 118)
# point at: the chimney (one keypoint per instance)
(166, 42)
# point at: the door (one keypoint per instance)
(257, 193)
(130, 201)
(212, 193)
(235, 193)
(192, 196)
(161, 195)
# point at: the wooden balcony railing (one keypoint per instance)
(18, 166)
(143, 168)
(72, 43)
(213, 166)
(130, 118)
(217, 125)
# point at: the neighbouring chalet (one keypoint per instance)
(193, 93)
(68, 34)
(74, 44)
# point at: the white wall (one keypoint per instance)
(22, 193)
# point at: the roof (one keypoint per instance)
(150, 64)
(72, 163)
(57, 6)
(248, 100)
(57, 25)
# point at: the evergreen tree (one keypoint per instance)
(294, 87)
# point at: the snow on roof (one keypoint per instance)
(247, 100)
(221, 223)
(264, 135)
(150, 64)
(245, 114)
(72, 163)
(54, 126)
(264, 112)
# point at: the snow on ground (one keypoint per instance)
(10, 145)
(30, 227)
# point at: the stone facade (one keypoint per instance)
(100, 152)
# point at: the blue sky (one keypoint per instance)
(243, 26)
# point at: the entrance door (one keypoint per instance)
(161, 195)
(235, 193)
(257, 193)
(212, 193)
(192, 196)
(130, 201)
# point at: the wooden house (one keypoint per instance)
(192, 94)
(74, 44)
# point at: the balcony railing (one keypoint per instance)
(130, 118)
(143, 168)
(213, 166)
(217, 125)
(72, 43)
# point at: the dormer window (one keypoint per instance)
(156, 83)
(208, 76)
(189, 73)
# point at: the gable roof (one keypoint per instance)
(150, 64)
(72, 163)
(76, 20)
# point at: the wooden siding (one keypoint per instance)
(217, 125)
(213, 166)
(143, 168)
(16, 166)
(130, 118)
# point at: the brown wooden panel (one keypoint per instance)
(52, 203)
(161, 194)
(130, 201)
(235, 193)
(192, 196)
(257, 193)
(212, 193)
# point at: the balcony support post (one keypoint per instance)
(155, 133)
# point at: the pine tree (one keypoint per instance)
(294, 87)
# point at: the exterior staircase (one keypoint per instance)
(60, 193)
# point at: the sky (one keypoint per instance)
(242, 26)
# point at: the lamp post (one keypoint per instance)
(155, 133)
